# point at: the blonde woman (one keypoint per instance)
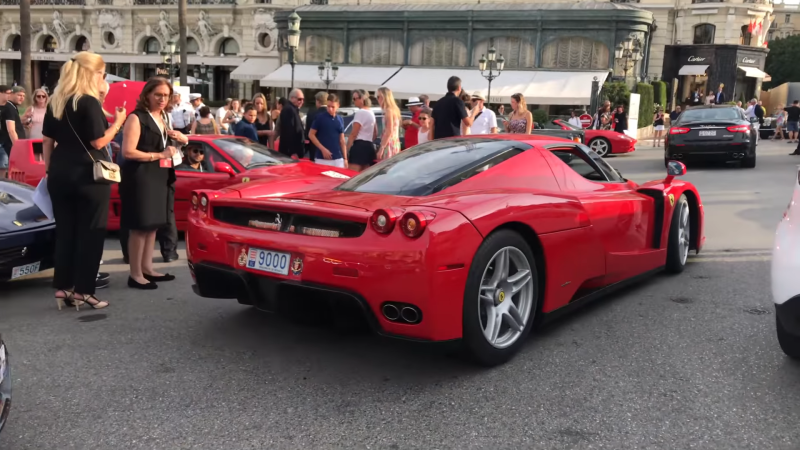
(76, 122)
(390, 140)
(263, 121)
(360, 145)
(35, 114)
(521, 120)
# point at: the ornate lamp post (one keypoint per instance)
(170, 58)
(294, 40)
(327, 72)
(627, 54)
(491, 63)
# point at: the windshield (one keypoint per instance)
(432, 166)
(250, 154)
(698, 115)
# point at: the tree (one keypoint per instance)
(25, 44)
(182, 12)
(783, 61)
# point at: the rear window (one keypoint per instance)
(430, 167)
(697, 115)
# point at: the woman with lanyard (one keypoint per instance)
(147, 175)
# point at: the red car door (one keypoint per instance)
(622, 217)
(188, 181)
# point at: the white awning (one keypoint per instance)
(255, 69)
(349, 77)
(753, 72)
(692, 69)
(541, 87)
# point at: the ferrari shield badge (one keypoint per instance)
(243, 257)
(297, 266)
(671, 200)
(17, 223)
(246, 180)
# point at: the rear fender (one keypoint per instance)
(26, 164)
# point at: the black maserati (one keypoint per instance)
(712, 133)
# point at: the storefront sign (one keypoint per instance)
(748, 60)
(160, 71)
(696, 59)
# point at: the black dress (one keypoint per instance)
(144, 189)
(266, 126)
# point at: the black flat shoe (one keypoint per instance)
(145, 287)
(153, 279)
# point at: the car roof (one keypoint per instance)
(711, 107)
(532, 139)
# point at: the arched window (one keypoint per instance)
(50, 44)
(314, 49)
(746, 36)
(704, 33)
(82, 44)
(16, 44)
(376, 50)
(229, 47)
(192, 47)
(518, 52)
(438, 51)
(575, 53)
(152, 46)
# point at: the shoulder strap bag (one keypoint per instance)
(105, 172)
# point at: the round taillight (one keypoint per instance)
(413, 224)
(383, 221)
(194, 201)
(204, 202)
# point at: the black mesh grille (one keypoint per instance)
(288, 222)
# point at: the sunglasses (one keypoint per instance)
(41, 96)
(199, 151)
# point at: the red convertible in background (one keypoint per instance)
(603, 142)
(470, 239)
(228, 160)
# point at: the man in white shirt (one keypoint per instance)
(197, 102)
(221, 113)
(182, 115)
(485, 122)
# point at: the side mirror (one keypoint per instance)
(222, 167)
(674, 169)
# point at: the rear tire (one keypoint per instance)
(512, 297)
(790, 344)
(679, 236)
(749, 162)
(601, 146)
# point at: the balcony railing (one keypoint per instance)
(46, 2)
(760, 2)
(190, 2)
(708, 1)
(625, 1)
(319, 2)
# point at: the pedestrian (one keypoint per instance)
(5, 146)
(574, 120)
(521, 120)
(411, 126)
(361, 145)
(246, 127)
(182, 114)
(75, 135)
(425, 132)
(275, 107)
(501, 110)
(206, 123)
(233, 116)
(719, 98)
(697, 97)
(426, 101)
(467, 99)
(321, 102)
(485, 121)
(196, 101)
(291, 130)
(673, 116)
(602, 118)
(327, 135)
(148, 176)
(263, 121)
(35, 114)
(620, 120)
(780, 122)
(14, 129)
(221, 114)
(390, 140)
(756, 112)
(450, 113)
(658, 127)
(710, 98)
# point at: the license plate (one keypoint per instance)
(708, 132)
(27, 269)
(269, 261)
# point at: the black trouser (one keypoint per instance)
(167, 236)
(81, 214)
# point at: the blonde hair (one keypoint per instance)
(76, 80)
(46, 97)
(388, 100)
(521, 105)
(263, 98)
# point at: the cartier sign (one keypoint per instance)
(747, 60)
(696, 59)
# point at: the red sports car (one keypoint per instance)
(472, 239)
(603, 142)
(227, 160)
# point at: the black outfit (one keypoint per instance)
(292, 134)
(266, 126)
(792, 113)
(80, 205)
(620, 122)
(758, 110)
(311, 150)
(9, 111)
(719, 98)
(362, 153)
(673, 116)
(448, 114)
(659, 120)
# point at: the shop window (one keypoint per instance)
(746, 36)
(438, 51)
(575, 53)
(787, 18)
(152, 46)
(229, 47)
(704, 33)
(518, 52)
(192, 47)
(376, 50)
(16, 43)
(315, 49)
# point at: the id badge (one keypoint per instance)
(166, 163)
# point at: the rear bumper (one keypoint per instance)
(18, 249)
(709, 152)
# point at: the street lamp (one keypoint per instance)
(327, 72)
(202, 74)
(627, 54)
(170, 58)
(491, 63)
(294, 40)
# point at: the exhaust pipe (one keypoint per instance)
(390, 312)
(409, 314)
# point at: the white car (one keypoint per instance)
(5, 384)
(785, 279)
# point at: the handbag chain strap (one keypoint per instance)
(66, 114)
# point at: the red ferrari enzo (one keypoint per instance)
(472, 239)
(603, 142)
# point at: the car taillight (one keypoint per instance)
(577, 139)
(739, 129)
(195, 201)
(203, 202)
(383, 220)
(678, 130)
(413, 223)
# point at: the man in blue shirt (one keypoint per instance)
(327, 135)
(246, 127)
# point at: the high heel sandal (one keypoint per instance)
(87, 300)
(68, 299)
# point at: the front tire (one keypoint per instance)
(790, 343)
(749, 162)
(679, 237)
(500, 299)
(601, 146)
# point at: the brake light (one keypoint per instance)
(678, 130)
(413, 223)
(577, 139)
(195, 201)
(739, 129)
(383, 220)
(204, 202)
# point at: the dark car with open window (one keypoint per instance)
(719, 133)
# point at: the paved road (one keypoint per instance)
(678, 362)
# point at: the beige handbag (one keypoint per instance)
(105, 172)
